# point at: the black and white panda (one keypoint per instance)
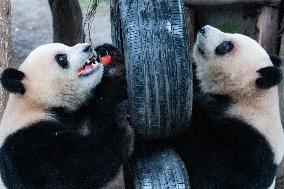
(60, 127)
(236, 139)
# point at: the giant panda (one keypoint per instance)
(236, 138)
(62, 127)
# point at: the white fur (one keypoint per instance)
(234, 74)
(2, 185)
(272, 185)
(17, 115)
(48, 85)
(263, 114)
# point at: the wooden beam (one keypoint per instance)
(67, 21)
(280, 172)
(190, 20)
(267, 28)
(224, 2)
(5, 28)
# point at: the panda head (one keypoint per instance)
(233, 64)
(49, 76)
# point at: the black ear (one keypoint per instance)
(276, 61)
(11, 80)
(269, 77)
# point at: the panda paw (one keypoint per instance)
(108, 49)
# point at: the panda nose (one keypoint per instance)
(202, 30)
(88, 48)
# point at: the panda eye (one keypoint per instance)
(61, 59)
(224, 48)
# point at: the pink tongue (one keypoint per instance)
(88, 67)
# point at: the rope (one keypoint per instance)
(89, 18)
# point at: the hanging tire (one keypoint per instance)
(152, 35)
(158, 169)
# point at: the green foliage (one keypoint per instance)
(229, 27)
(85, 1)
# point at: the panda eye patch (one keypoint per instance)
(224, 48)
(61, 59)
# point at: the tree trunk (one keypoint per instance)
(5, 27)
(67, 21)
(267, 28)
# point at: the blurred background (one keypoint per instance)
(31, 25)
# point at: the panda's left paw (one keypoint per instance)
(115, 66)
(269, 77)
(108, 49)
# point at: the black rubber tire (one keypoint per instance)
(161, 169)
(154, 40)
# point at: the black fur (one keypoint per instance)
(221, 152)
(111, 50)
(61, 154)
(115, 57)
(62, 60)
(224, 48)
(11, 80)
(269, 77)
(276, 61)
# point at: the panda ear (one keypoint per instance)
(269, 77)
(276, 61)
(11, 80)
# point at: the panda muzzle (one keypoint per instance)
(89, 67)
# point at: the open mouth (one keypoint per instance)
(89, 67)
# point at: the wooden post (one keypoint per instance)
(5, 27)
(224, 2)
(67, 21)
(267, 26)
(281, 96)
(190, 19)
